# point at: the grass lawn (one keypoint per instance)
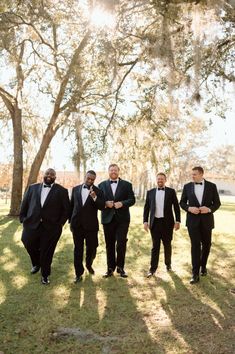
(136, 315)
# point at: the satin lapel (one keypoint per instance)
(50, 194)
(88, 199)
(109, 190)
(79, 195)
(204, 192)
(119, 187)
(39, 193)
(153, 197)
(167, 193)
(194, 195)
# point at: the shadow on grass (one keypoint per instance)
(102, 309)
(139, 243)
(109, 319)
(6, 219)
(203, 327)
(106, 311)
(202, 316)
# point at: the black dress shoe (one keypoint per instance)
(90, 270)
(168, 268)
(35, 269)
(78, 279)
(194, 279)
(150, 274)
(122, 272)
(45, 281)
(203, 271)
(109, 273)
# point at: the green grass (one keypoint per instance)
(121, 316)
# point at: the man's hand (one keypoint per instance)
(92, 193)
(146, 226)
(194, 210)
(177, 226)
(109, 204)
(204, 210)
(118, 205)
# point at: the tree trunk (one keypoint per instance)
(37, 162)
(17, 178)
(53, 126)
(80, 151)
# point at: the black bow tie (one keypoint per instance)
(161, 189)
(113, 182)
(198, 183)
(47, 186)
(85, 186)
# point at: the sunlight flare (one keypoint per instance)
(101, 18)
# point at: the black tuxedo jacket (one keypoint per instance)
(55, 210)
(85, 215)
(124, 193)
(170, 202)
(210, 199)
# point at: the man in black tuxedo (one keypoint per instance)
(85, 201)
(158, 217)
(119, 196)
(200, 200)
(44, 210)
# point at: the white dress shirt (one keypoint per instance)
(198, 190)
(85, 193)
(160, 196)
(114, 186)
(44, 193)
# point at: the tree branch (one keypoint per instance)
(23, 22)
(116, 98)
(8, 100)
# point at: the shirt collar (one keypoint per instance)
(84, 184)
(202, 181)
(44, 184)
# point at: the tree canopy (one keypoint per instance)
(137, 72)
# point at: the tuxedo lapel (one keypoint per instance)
(79, 196)
(118, 189)
(153, 197)
(88, 200)
(192, 191)
(39, 191)
(204, 192)
(167, 194)
(50, 194)
(109, 190)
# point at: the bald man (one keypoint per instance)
(44, 210)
